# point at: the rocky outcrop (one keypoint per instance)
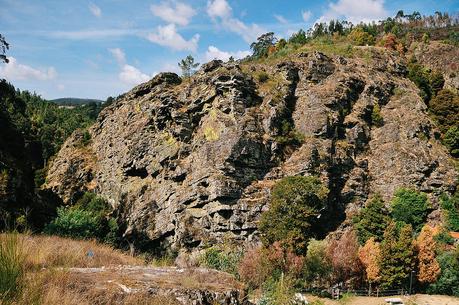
(184, 286)
(188, 163)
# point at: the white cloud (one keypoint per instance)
(214, 53)
(61, 87)
(15, 71)
(218, 8)
(118, 54)
(132, 76)
(306, 15)
(355, 11)
(95, 10)
(168, 36)
(173, 12)
(281, 19)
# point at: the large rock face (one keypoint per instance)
(191, 162)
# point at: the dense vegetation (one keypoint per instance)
(71, 101)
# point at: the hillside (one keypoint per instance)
(189, 162)
(72, 101)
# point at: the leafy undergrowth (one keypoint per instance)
(34, 271)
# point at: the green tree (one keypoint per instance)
(448, 282)
(188, 66)
(397, 256)
(4, 46)
(317, 265)
(450, 206)
(445, 108)
(361, 38)
(261, 46)
(296, 203)
(298, 38)
(410, 207)
(451, 141)
(372, 220)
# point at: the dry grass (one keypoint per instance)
(47, 282)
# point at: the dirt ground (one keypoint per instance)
(418, 299)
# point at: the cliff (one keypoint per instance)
(186, 163)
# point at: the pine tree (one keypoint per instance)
(372, 220)
(188, 66)
(397, 256)
(429, 269)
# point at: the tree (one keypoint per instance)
(445, 108)
(448, 281)
(188, 66)
(410, 207)
(370, 256)
(450, 207)
(451, 140)
(372, 220)
(317, 265)
(397, 256)
(344, 256)
(361, 38)
(429, 269)
(4, 46)
(261, 47)
(293, 215)
(298, 38)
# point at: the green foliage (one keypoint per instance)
(262, 76)
(74, 223)
(437, 81)
(289, 135)
(86, 138)
(12, 264)
(372, 220)
(420, 76)
(410, 207)
(261, 47)
(299, 38)
(450, 205)
(360, 37)
(88, 218)
(376, 117)
(188, 66)
(296, 203)
(317, 265)
(278, 291)
(218, 259)
(454, 37)
(445, 108)
(397, 256)
(448, 282)
(451, 140)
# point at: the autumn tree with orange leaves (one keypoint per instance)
(429, 269)
(370, 256)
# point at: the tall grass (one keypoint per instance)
(12, 262)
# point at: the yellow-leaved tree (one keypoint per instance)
(429, 269)
(370, 256)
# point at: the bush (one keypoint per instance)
(221, 260)
(74, 223)
(421, 77)
(361, 38)
(410, 207)
(262, 76)
(450, 205)
(12, 261)
(445, 107)
(317, 265)
(292, 218)
(376, 118)
(451, 141)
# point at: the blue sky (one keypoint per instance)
(100, 48)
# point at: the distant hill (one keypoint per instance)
(71, 101)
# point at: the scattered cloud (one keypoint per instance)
(60, 87)
(214, 53)
(95, 10)
(168, 36)
(173, 12)
(119, 55)
(355, 11)
(281, 19)
(220, 10)
(306, 15)
(132, 76)
(15, 71)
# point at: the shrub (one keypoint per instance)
(437, 81)
(376, 118)
(410, 207)
(317, 265)
(372, 220)
(262, 76)
(445, 107)
(450, 206)
(221, 260)
(254, 268)
(420, 76)
(12, 262)
(451, 141)
(278, 291)
(361, 38)
(74, 223)
(292, 218)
